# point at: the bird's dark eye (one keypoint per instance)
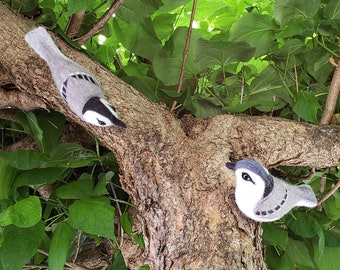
(102, 123)
(247, 177)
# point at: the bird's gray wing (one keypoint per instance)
(278, 203)
(77, 88)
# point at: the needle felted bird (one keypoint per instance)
(75, 83)
(263, 197)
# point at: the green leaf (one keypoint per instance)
(138, 238)
(332, 10)
(19, 245)
(126, 223)
(72, 155)
(79, 189)
(136, 11)
(291, 47)
(269, 86)
(7, 176)
(332, 239)
(44, 245)
(25, 213)
(295, 28)
(24, 6)
(274, 235)
(100, 188)
(202, 108)
(256, 29)
(303, 224)
(318, 64)
(307, 227)
(63, 236)
(278, 261)
(307, 106)
(117, 262)
(140, 39)
(214, 52)
(93, 216)
(286, 11)
(332, 207)
(170, 5)
(75, 6)
(298, 253)
(182, 97)
(164, 25)
(1, 238)
(168, 62)
(44, 127)
(144, 267)
(329, 259)
(52, 125)
(30, 123)
(144, 84)
(24, 159)
(38, 176)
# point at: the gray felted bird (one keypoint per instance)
(263, 197)
(75, 83)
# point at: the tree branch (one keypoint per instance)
(20, 100)
(179, 184)
(332, 97)
(74, 23)
(329, 193)
(306, 144)
(26, 143)
(100, 23)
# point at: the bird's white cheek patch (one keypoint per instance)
(96, 119)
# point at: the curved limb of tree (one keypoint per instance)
(177, 179)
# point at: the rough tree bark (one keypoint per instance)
(174, 171)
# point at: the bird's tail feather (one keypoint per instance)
(308, 198)
(42, 43)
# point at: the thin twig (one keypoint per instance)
(100, 23)
(185, 53)
(79, 233)
(296, 79)
(330, 193)
(296, 85)
(120, 232)
(242, 89)
(332, 97)
(35, 266)
(321, 190)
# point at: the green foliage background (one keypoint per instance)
(267, 58)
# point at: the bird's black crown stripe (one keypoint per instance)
(257, 168)
(95, 104)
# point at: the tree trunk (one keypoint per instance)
(175, 171)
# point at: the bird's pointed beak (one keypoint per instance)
(230, 166)
(118, 122)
